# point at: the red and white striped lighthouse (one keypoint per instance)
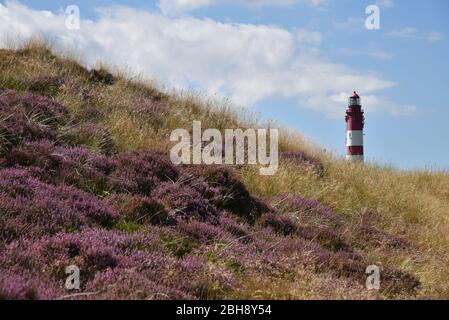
(355, 122)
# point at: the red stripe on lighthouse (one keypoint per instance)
(354, 150)
(355, 120)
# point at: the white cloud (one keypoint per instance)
(246, 62)
(176, 7)
(407, 32)
(434, 36)
(385, 3)
(413, 33)
(351, 24)
(371, 51)
(306, 37)
(331, 104)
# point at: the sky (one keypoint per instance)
(294, 61)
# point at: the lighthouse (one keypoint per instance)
(355, 122)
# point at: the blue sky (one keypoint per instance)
(290, 60)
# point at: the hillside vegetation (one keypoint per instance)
(86, 180)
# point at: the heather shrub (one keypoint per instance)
(140, 209)
(128, 284)
(325, 236)
(314, 221)
(25, 287)
(365, 235)
(39, 154)
(32, 208)
(237, 229)
(90, 113)
(75, 166)
(185, 202)
(44, 109)
(28, 117)
(203, 232)
(93, 251)
(141, 172)
(232, 193)
(194, 275)
(279, 223)
(105, 257)
(343, 264)
(14, 130)
(198, 183)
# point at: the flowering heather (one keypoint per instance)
(140, 209)
(324, 236)
(202, 231)
(279, 223)
(32, 208)
(345, 264)
(33, 106)
(365, 235)
(23, 287)
(91, 250)
(90, 113)
(233, 195)
(39, 154)
(212, 193)
(237, 229)
(185, 202)
(128, 284)
(76, 166)
(28, 117)
(106, 256)
(141, 172)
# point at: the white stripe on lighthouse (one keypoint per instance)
(354, 138)
(354, 157)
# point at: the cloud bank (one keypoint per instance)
(246, 62)
(176, 7)
(413, 33)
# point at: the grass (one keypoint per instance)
(411, 204)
